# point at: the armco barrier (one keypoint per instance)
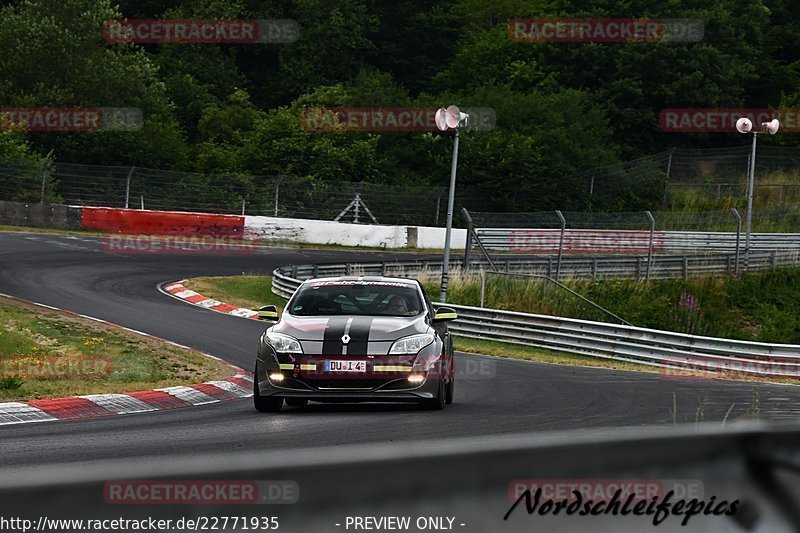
(665, 349)
(138, 222)
(581, 241)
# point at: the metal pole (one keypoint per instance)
(142, 198)
(738, 234)
(44, 178)
(277, 193)
(483, 285)
(451, 198)
(650, 245)
(468, 246)
(750, 185)
(561, 243)
(128, 187)
(669, 174)
(243, 204)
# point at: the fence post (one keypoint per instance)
(243, 204)
(44, 179)
(128, 187)
(738, 234)
(438, 205)
(468, 246)
(142, 200)
(561, 242)
(277, 193)
(650, 244)
(483, 285)
(669, 174)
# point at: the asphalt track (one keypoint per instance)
(504, 396)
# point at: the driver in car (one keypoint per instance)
(398, 306)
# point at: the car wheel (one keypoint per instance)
(269, 404)
(296, 402)
(437, 402)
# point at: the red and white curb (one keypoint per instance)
(187, 295)
(102, 405)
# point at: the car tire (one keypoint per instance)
(437, 402)
(449, 391)
(296, 402)
(269, 404)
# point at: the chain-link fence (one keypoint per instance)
(280, 196)
(681, 181)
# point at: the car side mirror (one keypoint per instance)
(268, 312)
(445, 314)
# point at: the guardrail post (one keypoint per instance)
(685, 268)
(315, 271)
(560, 243)
(294, 271)
(650, 245)
(383, 268)
(738, 234)
(774, 258)
(594, 268)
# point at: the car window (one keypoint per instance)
(356, 298)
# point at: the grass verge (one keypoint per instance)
(49, 354)
(244, 291)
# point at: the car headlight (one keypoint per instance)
(284, 343)
(411, 345)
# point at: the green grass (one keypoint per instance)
(251, 292)
(761, 306)
(36, 343)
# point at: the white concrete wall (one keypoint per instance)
(434, 237)
(323, 232)
(346, 234)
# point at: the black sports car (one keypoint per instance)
(355, 339)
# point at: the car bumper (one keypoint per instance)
(390, 391)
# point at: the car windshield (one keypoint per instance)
(356, 298)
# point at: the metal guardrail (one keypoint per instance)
(472, 480)
(664, 349)
(582, 267)
(627, 241)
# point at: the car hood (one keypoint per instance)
(367, 335)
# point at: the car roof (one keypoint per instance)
(366, 279)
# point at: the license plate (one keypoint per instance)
(345, 366)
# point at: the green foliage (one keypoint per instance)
(757, 306)
(561, 108)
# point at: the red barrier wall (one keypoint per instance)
(136, 222)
